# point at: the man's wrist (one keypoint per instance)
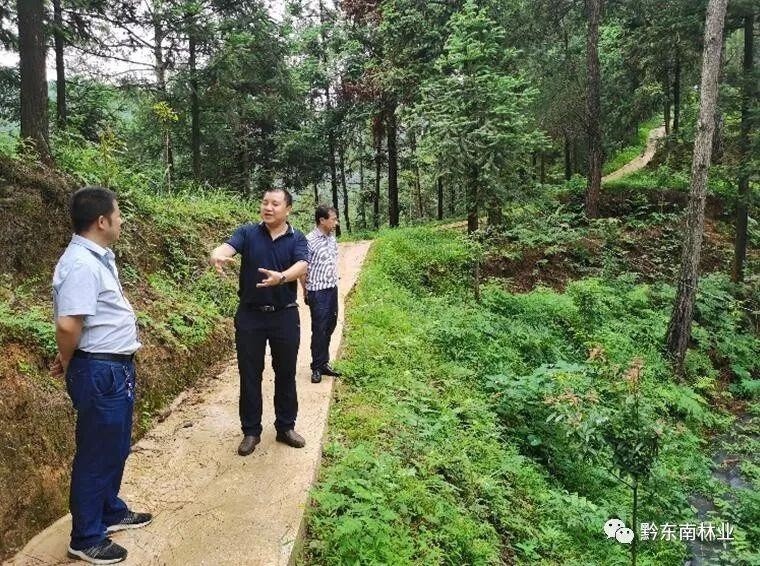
(283, 278)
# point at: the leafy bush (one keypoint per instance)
(32, 324)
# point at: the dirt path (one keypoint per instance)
(639, 162)
(211, 506)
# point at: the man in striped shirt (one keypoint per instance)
(320, 286)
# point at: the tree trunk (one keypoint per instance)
(568, 161)
(245, 163)
(666, 103)
(495, 214)
(679, 328)
(440, 198)
(195, 111)
(417, 183)
(717, 142)
(390, 122)
(577, 165)
(331, 130)
(161, 64)
(634, 547)
(377, 132)
(60, 68)
(472, 200)
(362, 199)
(593, 109)
(34, 96)
(331, 161)
(742, 205)
(342, 157)
(542, 168)
(677, 95)
(316, 194)
(333, 175)
(452, 199)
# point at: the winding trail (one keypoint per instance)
(640, 161)
(211, 506)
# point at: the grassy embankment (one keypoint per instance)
(469, 433)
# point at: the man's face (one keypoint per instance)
(113, 223)
(274, 208)
(328, 224)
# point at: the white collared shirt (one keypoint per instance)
(86, 283)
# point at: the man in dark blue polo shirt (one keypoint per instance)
(274, 255)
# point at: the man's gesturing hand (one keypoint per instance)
(219, 262)
(273, 278)
(221, 256)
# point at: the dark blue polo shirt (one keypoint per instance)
(257, 249)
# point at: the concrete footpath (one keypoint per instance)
(212, 506)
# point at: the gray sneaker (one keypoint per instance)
(131, 520)
(105, 552)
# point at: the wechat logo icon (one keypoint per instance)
(615, 528)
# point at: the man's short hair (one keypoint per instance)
(88, 204)
(286, 192)
(323, 211)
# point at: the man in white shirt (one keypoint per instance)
(96, 334)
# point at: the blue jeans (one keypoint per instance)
(102, 393)
(323, 305)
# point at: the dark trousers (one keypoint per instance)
(102, 393)
(282, 330)
(323, 305)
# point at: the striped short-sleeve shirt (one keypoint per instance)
(323, 261)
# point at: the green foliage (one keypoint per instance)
(723, 326)
(643, 179)
(164, 113)
(516, 414)
(474, 110)
(8, 143)
(92, 107)
(32, 325)
(434, 261)
(10, 89)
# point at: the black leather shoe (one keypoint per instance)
(316, 376)
(248, 444)
(291, 438)
(328, 370)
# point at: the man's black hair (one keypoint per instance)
(286, 192)
(323, 211)
(88, 204)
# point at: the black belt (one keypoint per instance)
(267, 308)
(104, 357)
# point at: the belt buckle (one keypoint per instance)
(267, 308)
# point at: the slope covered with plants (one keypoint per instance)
(510, 429)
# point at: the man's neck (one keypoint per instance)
(324, 230)
(97, 238)
(277, 230)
